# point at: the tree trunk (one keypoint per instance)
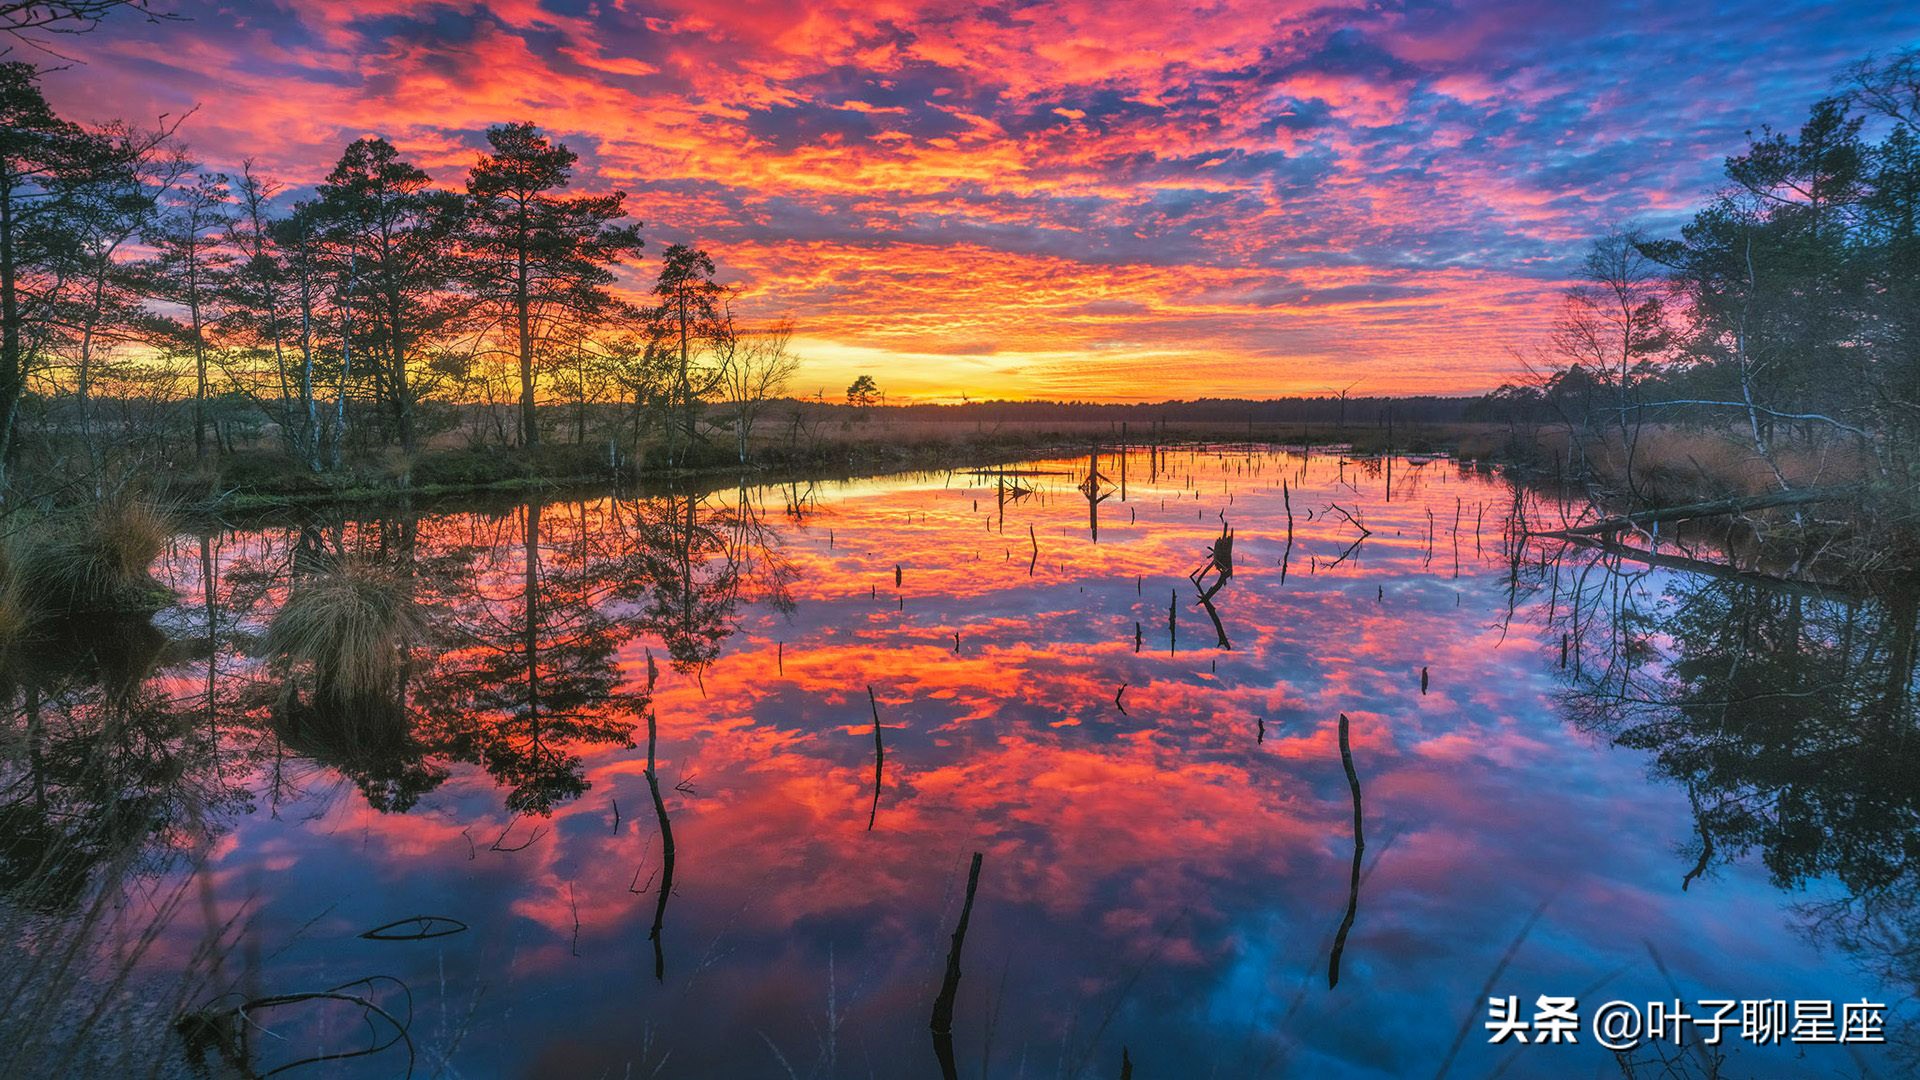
(401, 393)
(529, 418)
(199, 371)
(12, 378)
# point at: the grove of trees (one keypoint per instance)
(1786, 312)
(156, 312)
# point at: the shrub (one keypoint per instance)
(467, 467)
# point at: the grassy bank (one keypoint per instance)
(265, 478)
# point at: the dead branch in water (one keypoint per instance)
(1173, 603)
(1359, 846)
(1219, 563)
(942, 1022)
(1219, 628)
(424, 927)
(666, 832)
(500, 842)
(227, 1030)
(1351, 520)
(1712, 508)
(879, 755)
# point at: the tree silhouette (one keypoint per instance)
(395, 230)
(191, 269)
(688, 314)
(863, 392)
(538, 260)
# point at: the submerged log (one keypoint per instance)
(1711, 508)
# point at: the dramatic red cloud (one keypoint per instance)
(1062, 198)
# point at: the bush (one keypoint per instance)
(269, 472)
(468, 468)
(570, 460)
(701, 455)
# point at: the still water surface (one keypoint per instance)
(1165, 867)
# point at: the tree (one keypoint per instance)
(642, 370)
(44, 160)
(863, 392)
(302, 265)
(1773, 274)
(582, 371)
(1613, 329)
(688, 316)
(394, 230)
(33, 21)
(111, 208)
(754, 369)
(537, 259)
(259, 293)
(190, 270)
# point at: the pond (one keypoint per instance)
(691, 784)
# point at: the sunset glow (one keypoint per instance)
(1064, 199)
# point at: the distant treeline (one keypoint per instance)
(1357, 411)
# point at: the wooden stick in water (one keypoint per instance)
(879, 757)
(942, 1022)
(1359, 846)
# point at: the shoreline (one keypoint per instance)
(835, 461)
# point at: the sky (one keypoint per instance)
(1064, 199)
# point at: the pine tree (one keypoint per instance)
(538, 260)
(395, 230)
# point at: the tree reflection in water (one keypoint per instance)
(512, 673)
(530, 676)
(1786, 712)
(104, 766)
(523, 617)
(109, 780)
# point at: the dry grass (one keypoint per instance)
(90, 561)
(16, 607)
(1671, 464)
(352, 623)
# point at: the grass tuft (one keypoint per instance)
(84, 563)
(352, 623)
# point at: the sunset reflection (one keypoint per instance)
(1166, 874)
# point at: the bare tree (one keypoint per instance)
(33, 22)
(1614, 325)
(754, 369)
(191, 269)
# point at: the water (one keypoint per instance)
(1165, 873)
